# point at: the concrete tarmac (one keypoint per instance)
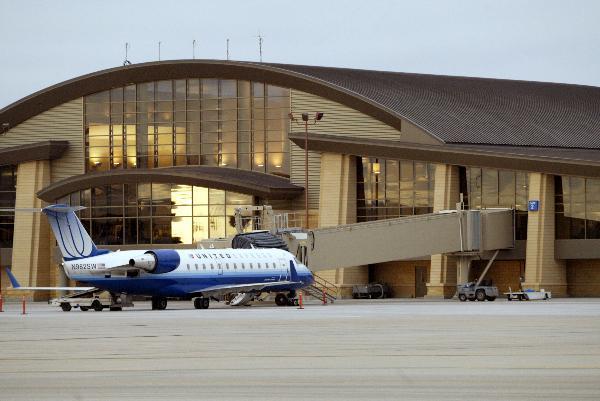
(367, 350)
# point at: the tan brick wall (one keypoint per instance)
(31, 257)
(399, 275)
(542, 270)
(503, 273)
(61, 123)
(583, 278)
(338, 206)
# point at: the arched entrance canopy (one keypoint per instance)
(249, 182)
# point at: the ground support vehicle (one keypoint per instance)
(527, 295)
(478, 290)
(372, 291)
(474, 292)
(93, 299)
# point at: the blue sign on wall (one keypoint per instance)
(533, 205)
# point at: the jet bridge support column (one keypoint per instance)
(337, 206)
(442, 275)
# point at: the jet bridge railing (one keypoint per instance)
(410, 237)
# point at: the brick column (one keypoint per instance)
(442, 276)
(337, 205)
(31, 257)
(542, 270)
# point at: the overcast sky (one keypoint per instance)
(46, 42)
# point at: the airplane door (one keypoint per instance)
(284, 269)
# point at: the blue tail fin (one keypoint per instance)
(74, 242)
(12, 278)
(293, 272)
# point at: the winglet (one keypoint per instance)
(293, 272)
(12, 278)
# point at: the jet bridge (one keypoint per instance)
(446, 232)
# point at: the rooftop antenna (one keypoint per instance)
(126, 61)
(260, 42)
(227, 49)
(194, 49)
(159, 50)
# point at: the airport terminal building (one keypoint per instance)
(162, 153)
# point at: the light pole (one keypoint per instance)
(318, 116)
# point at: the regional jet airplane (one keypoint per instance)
(197, 274)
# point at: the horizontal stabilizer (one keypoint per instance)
(17, 286)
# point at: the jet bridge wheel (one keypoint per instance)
(201, 303)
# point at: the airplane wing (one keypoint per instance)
(52, 288)
(17, 286)
(225, 288)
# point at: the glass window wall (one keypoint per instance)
(577, 208)
(157, 213)
(393, 188)
(489, 188)
(214, 122)
(8, 191)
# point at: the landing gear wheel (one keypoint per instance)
(491, 299)
(281, 299)
(159, 303)
(97, 306)
(65, 307)
(201, 303)
(480, 295)
(462, 297)
(84, 308)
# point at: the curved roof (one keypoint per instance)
(249, 182)
(451, 109)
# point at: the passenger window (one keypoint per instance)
(235, 266)
(203, 266)
(251, 265)
(243, 267)
(196, 266)
(259, 265)
(274, 265)
(188, 266)
(212, 267)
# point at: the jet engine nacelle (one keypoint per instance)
(156, 262)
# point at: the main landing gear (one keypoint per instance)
(159, 303)
(282, 299)
(201, 303)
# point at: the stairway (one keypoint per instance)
(321, 287)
